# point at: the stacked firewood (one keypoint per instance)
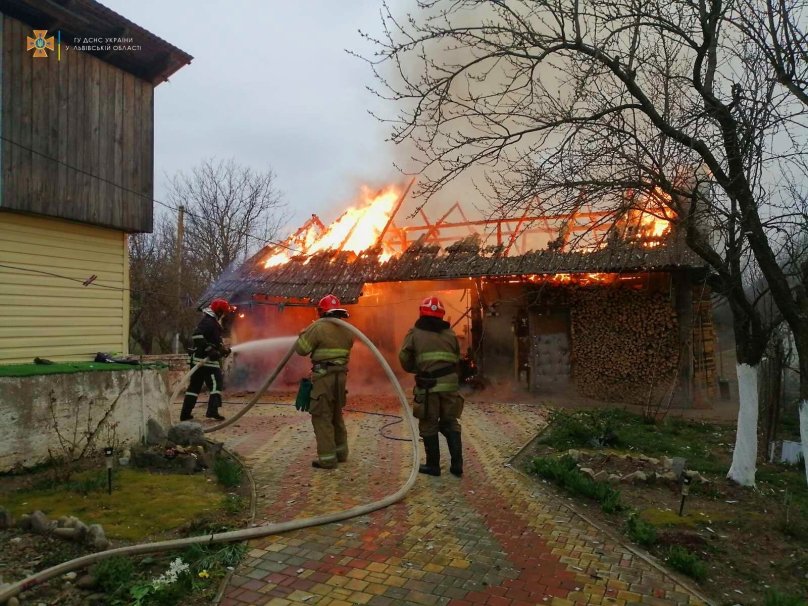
(625, 343)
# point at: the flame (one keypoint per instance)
(654, 220)
(356, 230)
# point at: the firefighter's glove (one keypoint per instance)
(226, 351)
(212, 353)
(303, 399)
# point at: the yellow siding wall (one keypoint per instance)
(53, 317)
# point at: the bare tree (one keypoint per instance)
(231, 211)
(560, 97)
(152, 279)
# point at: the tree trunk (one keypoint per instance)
(744, 457)
(802, 354)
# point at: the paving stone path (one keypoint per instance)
(493, 537)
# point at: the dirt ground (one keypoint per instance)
(737, 531)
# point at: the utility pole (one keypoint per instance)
(178, 259)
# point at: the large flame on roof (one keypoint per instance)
(357, 229)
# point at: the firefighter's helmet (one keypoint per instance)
(431, 306)
(219, 306)
(329, 304)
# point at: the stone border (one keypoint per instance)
(619, 539)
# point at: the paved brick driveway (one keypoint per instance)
(493, 537)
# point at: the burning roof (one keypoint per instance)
(365, 245)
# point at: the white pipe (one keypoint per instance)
(248, 533)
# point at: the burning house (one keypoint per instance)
(608, 307)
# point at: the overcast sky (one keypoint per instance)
(271, 86)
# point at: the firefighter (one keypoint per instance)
(330, 347)
(431, 351)
(207, 343)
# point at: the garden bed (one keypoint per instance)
(740, 545)
(144, 507)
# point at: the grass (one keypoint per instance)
(141, 505)
(33, 370)
(564, 472)
(622, 430)
(775, 598)
(641, 531)
(228, 472)
(687, 563)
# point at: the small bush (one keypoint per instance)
(113, 574)
(590, 428)
(564, 472)
(228, 472)
(641, 531)
(687, 563)
(775, 598)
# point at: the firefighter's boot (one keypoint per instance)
(432, 448)
(187, 406)
(456, 452)
(214, 402)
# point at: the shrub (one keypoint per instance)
(687, 563)
(641, 531)
(113, 574)
(233, 504)
(564, 472)
(228, 472)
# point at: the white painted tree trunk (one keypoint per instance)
(744, 457)
(804, 434)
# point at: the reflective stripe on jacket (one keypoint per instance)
(428, 351)
(326, 342)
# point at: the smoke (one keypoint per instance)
(385, 313)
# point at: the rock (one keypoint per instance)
(587, 471)
(635, 476)
(40, 523)
(668, 476)
(573, 454)
(213, 449)
(155, 434)
(24, 523)
(96, 537)
(96, 599)
(70, 576)
(187, 433)
(87, 581)
(12, 602)
(613, 478)
(666, 462)
(81, 530)
(650, 460)
(695, 476)
(6, 519)
(601, 476)
(68, 534)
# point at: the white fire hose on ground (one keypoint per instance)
(247, 533)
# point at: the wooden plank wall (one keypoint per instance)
(76, 127)
(45, 310)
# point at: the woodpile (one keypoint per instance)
(625, 344)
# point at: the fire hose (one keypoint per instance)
(247, 533)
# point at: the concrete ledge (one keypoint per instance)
(71, 415)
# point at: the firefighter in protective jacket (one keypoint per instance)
(330, 348)
(207, 341)
(431, 351)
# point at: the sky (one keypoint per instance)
(272, 86)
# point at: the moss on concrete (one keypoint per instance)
(141, 505)
(33, 370)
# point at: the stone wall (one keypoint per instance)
(70, 415)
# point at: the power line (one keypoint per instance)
(141, 195)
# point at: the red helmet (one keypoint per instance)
(329, 303)
(219, 306)
(431, 306)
